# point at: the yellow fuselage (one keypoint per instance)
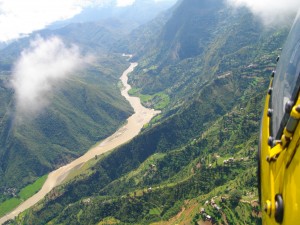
(280, 173)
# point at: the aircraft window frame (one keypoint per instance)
(286, 82)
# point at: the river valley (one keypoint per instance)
(132, 128)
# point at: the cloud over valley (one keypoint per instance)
(40, 68)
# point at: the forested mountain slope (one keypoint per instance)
(207, 67)
(84, 109)
(210, 40)
(87, 109)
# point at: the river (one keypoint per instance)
(132, 128)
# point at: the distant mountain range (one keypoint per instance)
(140, 12)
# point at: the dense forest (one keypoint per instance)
(207, 67)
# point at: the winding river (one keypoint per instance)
(134, 125)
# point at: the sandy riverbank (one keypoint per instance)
(134, 125)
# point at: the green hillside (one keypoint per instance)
(151, 178)
(87, 109)
(210, 82)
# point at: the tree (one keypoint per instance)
(235, 197)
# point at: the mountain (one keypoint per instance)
(207, 67)
(140, 12)
(2, 45)
(200, 35)
(85, 109)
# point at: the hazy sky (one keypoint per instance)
(21, 17)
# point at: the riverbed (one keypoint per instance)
(132, 128)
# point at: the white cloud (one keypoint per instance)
(39, 69)
(270, 11)
(22, 17)
(18, 18)
(123, 3)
